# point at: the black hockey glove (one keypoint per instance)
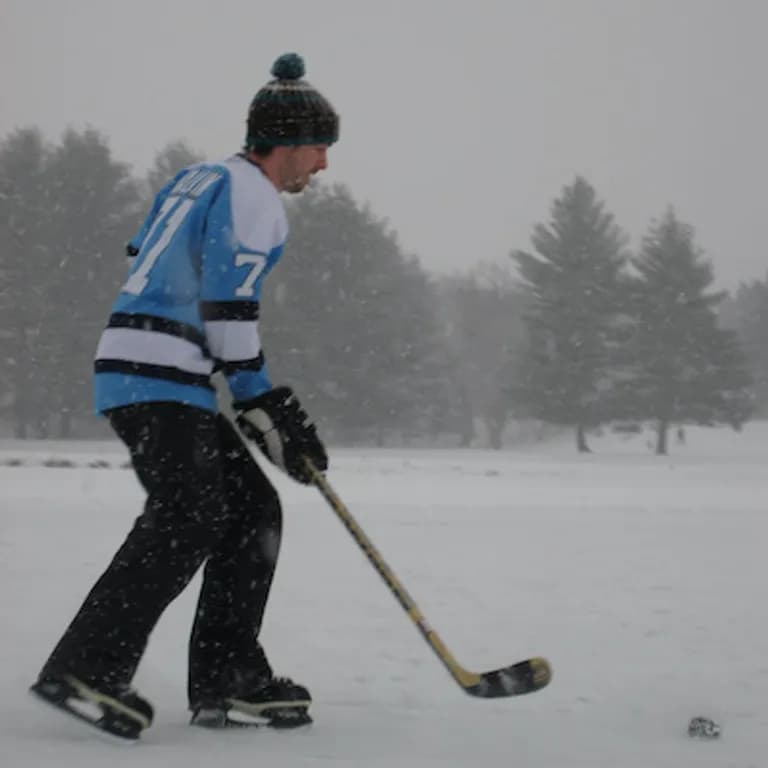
(278, 424)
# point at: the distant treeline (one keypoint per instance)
(577, 332)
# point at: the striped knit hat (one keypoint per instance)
(288, 111)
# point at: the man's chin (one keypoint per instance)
(296, 186)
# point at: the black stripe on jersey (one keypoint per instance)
(141, 322)
(152, 371)
(229, 310)
(229, 367)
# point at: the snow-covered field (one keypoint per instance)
(643, 580)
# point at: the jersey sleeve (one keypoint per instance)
(235, 261)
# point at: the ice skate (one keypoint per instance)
(118, 710)
(276, 702)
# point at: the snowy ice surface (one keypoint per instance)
(642, 579)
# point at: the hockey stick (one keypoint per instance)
(523, 677)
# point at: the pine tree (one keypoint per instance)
(482, 315)
(688, 368)
(351, 321)
(171, 159)
(746, 313)
(94, 210)
(573, 289)
(24, 255)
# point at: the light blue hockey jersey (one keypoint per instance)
(190, 304)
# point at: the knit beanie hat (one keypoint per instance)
(288, 111)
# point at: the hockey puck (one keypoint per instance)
(703, 728)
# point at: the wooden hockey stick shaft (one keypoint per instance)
(536, 670)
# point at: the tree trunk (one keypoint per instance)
(581, 439)
(466, 423)
(20, 427)
(23, 407)
(495, 418)
(495, 429)
(65, 424)
(661, 437)
(42, 427)
(21, 414)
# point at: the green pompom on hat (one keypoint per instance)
(288, 111)
(289, 66)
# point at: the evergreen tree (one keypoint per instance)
(94, 210)
(482, 314)
(25, 253)
(688, 368)
(746, 313)
(171, 159)
(351, 320)
(573, 289)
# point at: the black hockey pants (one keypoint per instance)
(207, 502)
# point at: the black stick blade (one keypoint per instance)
(524, 677)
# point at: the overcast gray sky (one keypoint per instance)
(461, 121)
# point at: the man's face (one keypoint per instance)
(299, 164)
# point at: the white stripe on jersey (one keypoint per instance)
(233, 339)
(139, 346)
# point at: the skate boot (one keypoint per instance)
(276, 702)
(116, 709)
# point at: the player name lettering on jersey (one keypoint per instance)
(194, 183)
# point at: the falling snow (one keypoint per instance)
(639, 577)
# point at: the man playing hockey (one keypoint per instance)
(190, 306)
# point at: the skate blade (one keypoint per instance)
(111, 707)
(220, 719)
(277, 714)
(92, 715)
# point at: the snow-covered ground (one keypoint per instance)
(643, 580)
